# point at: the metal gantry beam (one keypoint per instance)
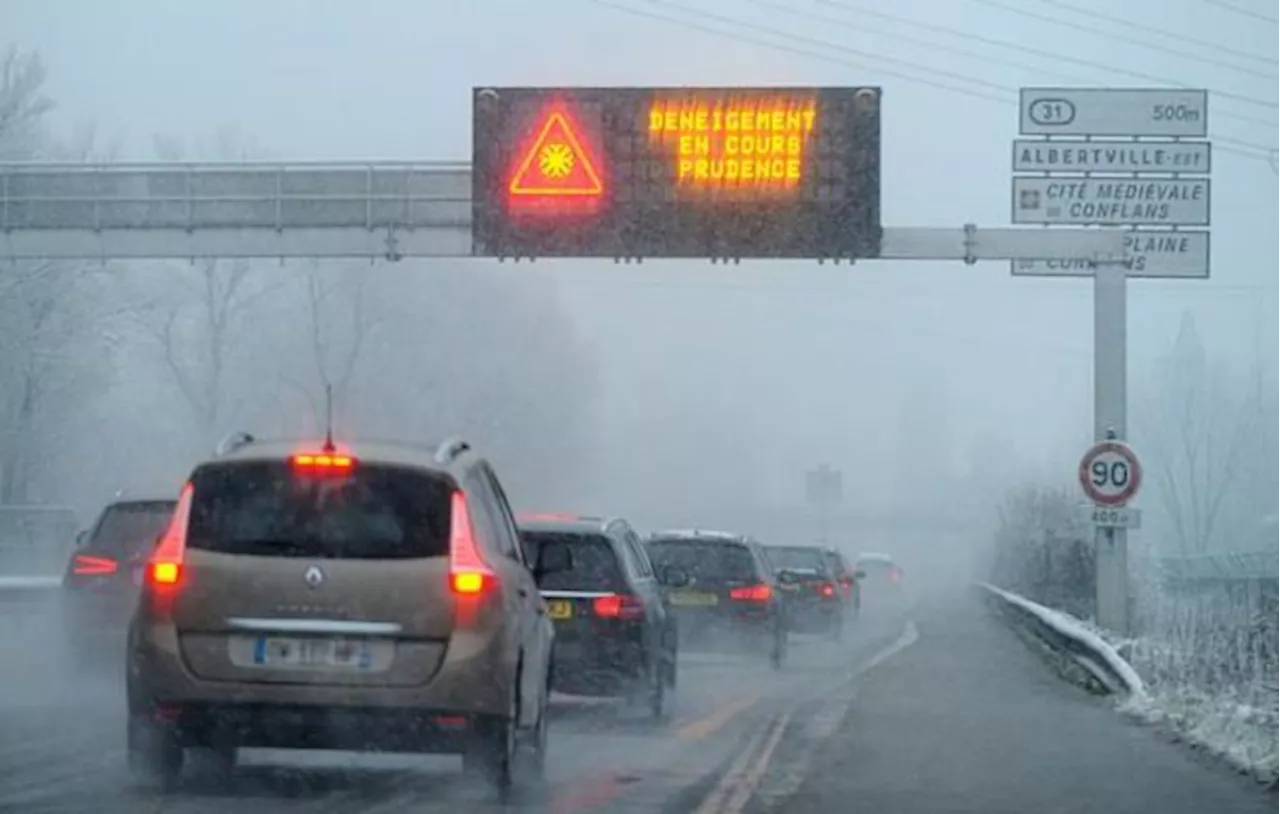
(386, 210)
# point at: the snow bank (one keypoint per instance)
(1244, 736)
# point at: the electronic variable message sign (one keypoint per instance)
(724, 173)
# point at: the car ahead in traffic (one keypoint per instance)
(880, 579)
(614, 633)
(809, 588)
(730, 596)
(103, 575)
(374, 597)
(846, 578)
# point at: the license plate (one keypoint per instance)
(695, 599)
(559, 609)
(276, 651)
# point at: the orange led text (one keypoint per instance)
(748, 144)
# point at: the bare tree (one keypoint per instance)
(341, 319)
(1203, 426)
(52, 321)
(200, 314)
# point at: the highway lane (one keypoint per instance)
(61, 742)
(971, 721)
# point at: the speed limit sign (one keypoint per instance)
(1110, 473)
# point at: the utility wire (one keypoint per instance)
(1102, 32)
(1173, 35)
(1243, 11)
(1250, 150)
(1037, 52)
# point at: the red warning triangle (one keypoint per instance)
(557, 164)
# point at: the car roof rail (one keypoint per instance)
(232, 442)
(450, 449)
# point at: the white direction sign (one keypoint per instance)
(1111, 201)
(1153, 253)
(1110, 473)
(1114, 112)
(1030, 155)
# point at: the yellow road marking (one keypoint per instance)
(749, 782)
(711, 804)
(701, 728)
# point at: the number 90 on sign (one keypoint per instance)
(1110, 474)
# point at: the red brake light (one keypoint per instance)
(827, 589)
(618, 606)
(469, 574)
(86, 565)
(322, 463)
(752, 593)
(165, 565)
(846, 581)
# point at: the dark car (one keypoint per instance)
(810, 588)
(731, 597)
(614, 635)
(101, 581)
(847, 584)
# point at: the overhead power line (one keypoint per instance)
(1007, 97)
(1243, 11)
(1039, 53)
(1173, 35)
(1102, 32)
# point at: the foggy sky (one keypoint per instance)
(784, 365)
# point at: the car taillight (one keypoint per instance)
(618, 606)
(87, 565)
(322, 463)
(164, 568)
(846, 581)
(751, 593)
(469, 574)
(827, 589)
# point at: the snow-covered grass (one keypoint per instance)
(1241, 734)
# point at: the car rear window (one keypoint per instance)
(705, 561)
(131, 528)
(595, 564)
(372, 512)
(835, 562)
(789, 557)
(876, 566)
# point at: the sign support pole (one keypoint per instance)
(1110, 348)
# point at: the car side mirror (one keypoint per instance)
(786, 577)
(859, 574)
(554, 559)
(674, 577)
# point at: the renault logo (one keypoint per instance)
(313, 576)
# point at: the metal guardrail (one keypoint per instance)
(1084, 648)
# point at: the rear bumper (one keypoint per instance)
(732, 629)
(475, 677)
(349, 728)
(600, 667)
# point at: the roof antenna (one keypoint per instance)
(328, 419)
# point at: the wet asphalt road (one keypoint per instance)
(61, 742)
(936, 710)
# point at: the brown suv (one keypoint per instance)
(365, 598)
